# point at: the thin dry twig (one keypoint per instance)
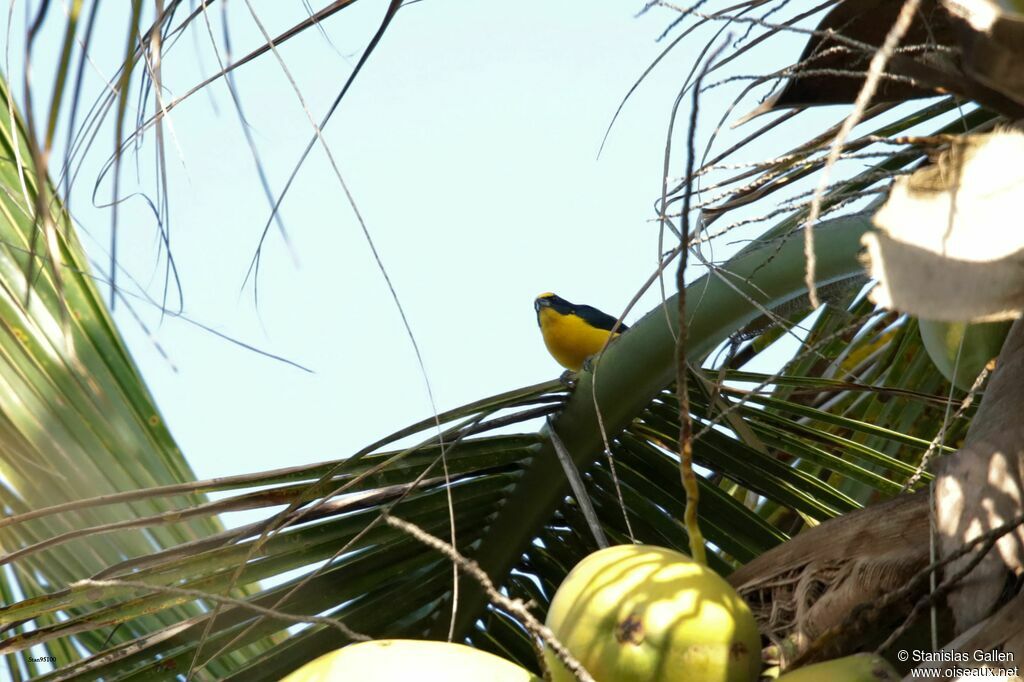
(689, 478)
(515, 607)
(868, 611)
(988, 541)
(663, 262)
(940, 437)
(874, 76)
(344, 548)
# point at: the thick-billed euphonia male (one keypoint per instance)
(573, 332)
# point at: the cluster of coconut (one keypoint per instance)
(630, 613)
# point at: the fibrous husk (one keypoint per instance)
(950, 239)
(992, 43)
(810, 585)
(982, 486)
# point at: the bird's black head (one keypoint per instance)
(556, 303)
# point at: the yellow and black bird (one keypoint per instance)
(573, 332)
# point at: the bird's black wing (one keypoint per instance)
(596, 318)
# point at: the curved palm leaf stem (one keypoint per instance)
(638, 367)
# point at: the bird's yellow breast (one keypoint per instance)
(569, 339)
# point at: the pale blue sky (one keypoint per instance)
(469, 143)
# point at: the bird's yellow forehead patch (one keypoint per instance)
(547, 294)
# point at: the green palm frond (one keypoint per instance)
(123, 571)
(380, 583)
(75, 417)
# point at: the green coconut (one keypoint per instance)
(400, 660)
(639, 613)
(982, 341)
(856, 668)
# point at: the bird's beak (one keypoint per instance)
(541, 303)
